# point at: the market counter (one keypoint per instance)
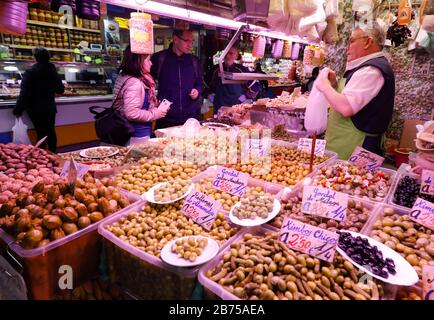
(74, 122)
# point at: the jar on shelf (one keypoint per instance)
(308, 55)
(141, 33)
(295, 51)
(259, 47)
(33, 14)
(286, 52)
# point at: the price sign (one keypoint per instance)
(108, 81)
(428, 282)
(305, 144)
(366, 159)
(423, 213)
(92, 81)
(98, 61)
(427, 182)
(73, 170)
(284, 93)
(325, 203)
(306, 238)
(201, 208)
(10, 81)
(258, 147)
(231, 181)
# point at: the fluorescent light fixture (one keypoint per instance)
(72, 70)
(9, 62)
(198, 17)
(10, 68)
(178, 13)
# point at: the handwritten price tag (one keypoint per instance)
(231, 181)
(258, 147)
(427, 182)
(73, 170)
(428, 282)
(325, 203)
(366, 159)
(305, 144)
(423, 213)
(312, 240)
(201, 208)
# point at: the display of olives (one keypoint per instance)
(407, 190)
(251, 207)
(189, 248)
(357, 215)
(411, 240)
(365, 254)
(348, 178)
(171, 190)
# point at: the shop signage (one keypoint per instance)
(365, 159)
(325, 203)
(423, 213)
(305, 144)
(231, 181)
(314, 241)
(73, 171)
(201, 208)
(427, 182)
(428, 282)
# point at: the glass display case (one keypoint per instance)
(80, 79)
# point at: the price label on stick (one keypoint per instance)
(306, 238)
(325, 203)
(366, 159)
(201, 208)
(231, 181)
(40, 142)
(73, 171)
(427, 182)
(423, 213)
(428, 282)
(305, 144)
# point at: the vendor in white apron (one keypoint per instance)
(361, 113)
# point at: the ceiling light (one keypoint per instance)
(10, 68)
(72, 70)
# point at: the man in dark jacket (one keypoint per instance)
(38, 87)
(179, 76)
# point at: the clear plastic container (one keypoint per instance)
(213, 290)
(370, 205)
(398, 179)
(144, 275)
(390, 172)
(40, 267)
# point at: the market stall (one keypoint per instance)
(247, 205)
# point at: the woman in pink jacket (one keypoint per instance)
(134, 94)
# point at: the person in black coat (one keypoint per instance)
(37, 97)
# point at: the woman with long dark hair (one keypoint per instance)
(134, 94)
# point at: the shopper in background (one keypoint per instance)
(263, 93)
(134, 94)
(361, 114)
(309, 84)
(233, 93)
(179, 76)
(37, 97)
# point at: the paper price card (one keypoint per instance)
(305, 144)
(423, 213)
(73, 171)
(366, 159)
(314, 241)
(231, 181)
(325, 203)
(428, 282)
(201, 208)
(258, 147)
(427, 182)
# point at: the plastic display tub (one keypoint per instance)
(142, 274)
(370, 205)
(43, 268)
(380, 214)
(390, 172)
(398, 179)
(214, 291)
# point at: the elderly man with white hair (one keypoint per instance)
(360, 113)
